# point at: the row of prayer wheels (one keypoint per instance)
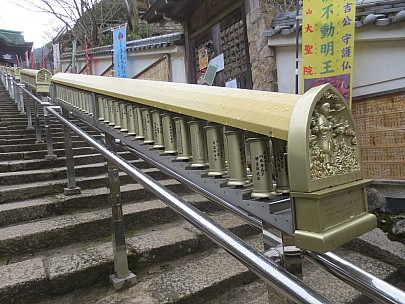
(205, 145)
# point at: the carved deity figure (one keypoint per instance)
(325, 138)
(332, 141)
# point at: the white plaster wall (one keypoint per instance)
(379, 62)
(138, 61)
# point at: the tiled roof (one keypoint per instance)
(12, 37)
(368, 12)
(141, 44)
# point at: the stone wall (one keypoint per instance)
(262, 57)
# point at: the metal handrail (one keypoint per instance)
(361, 280)
(271, 273)
(368, 284)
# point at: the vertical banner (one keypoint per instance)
(87, 59)
(73, 65)
(18, 61)
(32, 59)
(56, 58)
(26, 60)
(328, 44)
(43, 58)
(120, 54)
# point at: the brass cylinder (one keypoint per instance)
(261, 167)
(157, 129)
(84, 102)
(215, 147)
(100, 106)
(138, 123)
(123, 117)
(111, 112)
(90, 103)
(182, 138)
(280, 165)
(106, 110)
(117, 115)
(237, 168)
(198, 144)
(80, 101)
(147, 126)
(130, 119)
(73, 96)
(169, 134)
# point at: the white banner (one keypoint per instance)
(56, 58)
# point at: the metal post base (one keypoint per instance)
(72, 191)
(51, 157)
(120, 283)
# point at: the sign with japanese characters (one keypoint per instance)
(328, 44)
(120, 52)
(56, 58)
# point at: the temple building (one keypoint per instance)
(12, 44)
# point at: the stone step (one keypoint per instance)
(86, 226)
(320, 280)
(13, 193)
(30, 140)
(36, 164)
(214, 277)
(8, 132)
(41, 154)
(40, 146)
(66, 269)
(25, 177)
(47, 206)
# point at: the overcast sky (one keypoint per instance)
(32, 24)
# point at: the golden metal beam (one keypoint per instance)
(266, 113)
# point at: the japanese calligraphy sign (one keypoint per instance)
(120, 53)
(56, 58)
(328, 44)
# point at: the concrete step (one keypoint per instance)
(36, 164)
(214, 277)
(13, 193)
(56, 138)
(81, 227)
(47, 206)
(163, 247)
(41, 154)
(41, 146)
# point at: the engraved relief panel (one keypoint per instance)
(332, 140)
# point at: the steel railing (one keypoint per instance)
(269, 271)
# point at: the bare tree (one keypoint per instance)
(88, 19)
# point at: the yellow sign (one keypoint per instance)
(328, 44)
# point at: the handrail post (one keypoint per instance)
(48, 132)
(36, 124)
(21, 98)
(70, 164)
(122, 276)
(29, 115)
(16, 99)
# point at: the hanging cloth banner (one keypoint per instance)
(43, 59)
(56, 58)
(26, 60)
(32, 59)
(120, 53)
(18, 61)
(87, 59)
(74, 47)
(328, 44)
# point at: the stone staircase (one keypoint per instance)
(57, 249)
